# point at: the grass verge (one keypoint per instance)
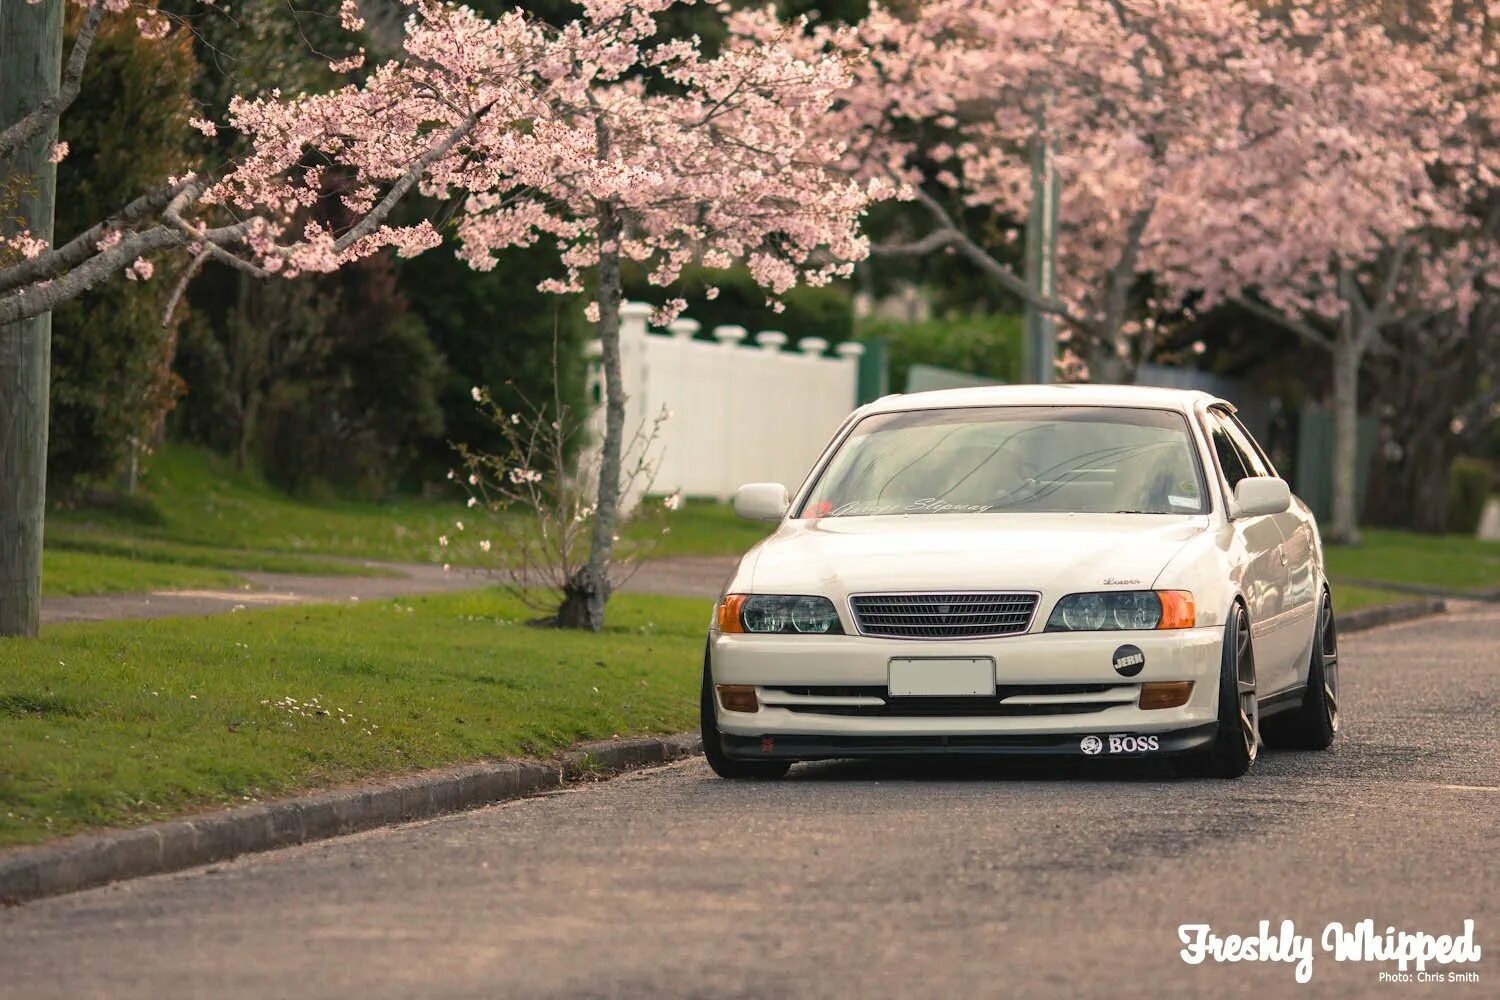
(131, 722)
(1454, 562)
(1349, 597)
(66, 574)
(195, 509)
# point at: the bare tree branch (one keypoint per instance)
(1300, 327)
(1001, 274)
(42, 297)
(86, 244)
(935, 240)
(49, 111)
(182, 285)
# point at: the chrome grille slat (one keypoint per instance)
(967, 615)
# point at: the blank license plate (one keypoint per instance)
(942, 678)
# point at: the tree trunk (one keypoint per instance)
(1106, 367)
(1420, 383)
(585, 595)
(31, 38)
(1347, 355)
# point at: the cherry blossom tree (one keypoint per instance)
(598, 137)
(1393, 236)
(1310, 160)
(1151, 110)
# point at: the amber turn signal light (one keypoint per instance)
(1165, 694)
(738, 698)
(1177, 609)
(728, 614)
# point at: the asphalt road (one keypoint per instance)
(856, 880)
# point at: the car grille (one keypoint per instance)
(943, 616)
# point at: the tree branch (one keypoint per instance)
(373, 218)
(86, 244)
(1300, 327)
(41, 297)
(935, 240)
(49, 111)
(181, 288)
(1001, 274)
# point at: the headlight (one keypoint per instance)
(1123, 609)
(777, 613)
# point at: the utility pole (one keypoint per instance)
(1039, 352)
(31, 37)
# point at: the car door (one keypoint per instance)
(1300, 601)
(1263, 573)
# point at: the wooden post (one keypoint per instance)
(31, 37)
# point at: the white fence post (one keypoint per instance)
(743, 409)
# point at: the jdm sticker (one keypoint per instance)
(1128, 660)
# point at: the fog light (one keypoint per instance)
(738, 698)
(1166, 694)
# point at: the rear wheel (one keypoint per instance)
(713, 748)
(1313, 725)
(1237, 742)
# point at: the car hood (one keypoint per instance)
(1051, 553)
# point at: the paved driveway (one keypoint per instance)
(678, 576)
(858, 880)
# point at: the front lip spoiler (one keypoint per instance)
(794, 747)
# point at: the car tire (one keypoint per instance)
(1237, 742)
(725, 766)
(1313, 725)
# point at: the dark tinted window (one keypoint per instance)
(1230, 462)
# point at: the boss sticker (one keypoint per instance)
(1118, 743)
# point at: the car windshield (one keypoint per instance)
(1069, 459)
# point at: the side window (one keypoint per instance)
(1228, 455)
(1250, 446)
(1249, 455)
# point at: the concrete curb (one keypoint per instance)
(90, 860)
(1387, 614)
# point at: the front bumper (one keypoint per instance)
(798, 747)
(1025, 719)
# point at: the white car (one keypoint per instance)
(1098, 572)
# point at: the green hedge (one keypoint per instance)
(1468, 489)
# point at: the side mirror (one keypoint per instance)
(762, 501)
(1262, 495)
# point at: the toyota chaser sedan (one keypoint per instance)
(1097, 572)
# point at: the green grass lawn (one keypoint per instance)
(1349, 596)
(190, 497)
(129, 722)
(66, 573)
(194, 509)
(1452, 561)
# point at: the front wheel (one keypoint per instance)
(1237, 742)
(713, 748)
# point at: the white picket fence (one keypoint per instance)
(741, 411)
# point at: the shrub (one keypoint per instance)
(1468, 489)
(980, 344)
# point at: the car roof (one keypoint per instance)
(1072, 394)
